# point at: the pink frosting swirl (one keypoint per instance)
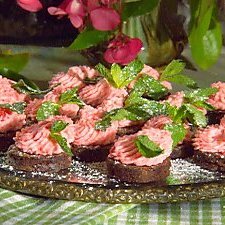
(125, 150)
(32, 108)
(211, 139)
(153, 73)
(218, 99)
(70, 110)
(176, 99)
(157, 122)
(8, 94)
(73, 78)
(36, 139)
(94, 94)
(11, 121)
(85, 132)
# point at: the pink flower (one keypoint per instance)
(123, 50)
(104, 18)
(73, 8)
(30, 5)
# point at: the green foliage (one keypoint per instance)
(89, 38)
(137, 8)
(205, 33)
(14, 62)
(121, 77)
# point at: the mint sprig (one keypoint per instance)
(178, 132)
(148, 87)
(173, 73)
(120, 77)
(17, 107)
(47, 109)
(24, 88)
(70, 97)
(55, 130)
(135, 112)
(146, 147)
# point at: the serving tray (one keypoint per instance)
(89, 182)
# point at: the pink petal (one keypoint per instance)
(92, 4)
(135, 45)
(76, 20)
(56, 11)
(104, 18)
(30, 5)
(75, 7)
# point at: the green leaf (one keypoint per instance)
(17, 107)
(136, 112)
(183, 80)
(147, 86)
(137, 8)
(62, 143)
(205, 105)
(47, 109)
(200, 94)
(173, 68)
(89, 38)
(17, 77)
(146, 147)
(205, 36)
(70, 97)
(22, 87)
(58, 126)
(14, 62)
(178, 132)
(118, 77)
(196, 116)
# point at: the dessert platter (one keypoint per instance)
(113, 135)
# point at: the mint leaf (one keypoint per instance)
(135, 112)
(146, 147)
(46, 110)
(195, 115)
(14, 62)
(173, 68)
(147, 86)
(173, 73)
(178, 132)
(118, 77)
(22, 87)
(183, 80)
(17, 77)
(200, 94)
(70, 97)
(89, 38)
(58, 126)
(205, 105)
(17, 107)
(137, 8)
(62, 143)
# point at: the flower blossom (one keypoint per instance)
(73, 8)
(123, 50)
(30, 5)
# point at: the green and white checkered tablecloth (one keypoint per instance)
(21, 209)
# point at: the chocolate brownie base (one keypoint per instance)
(182, 151)
(210, 161)
(91, 153)
(38, 163)
(138, 174)
(6, 139)
(215, 116)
